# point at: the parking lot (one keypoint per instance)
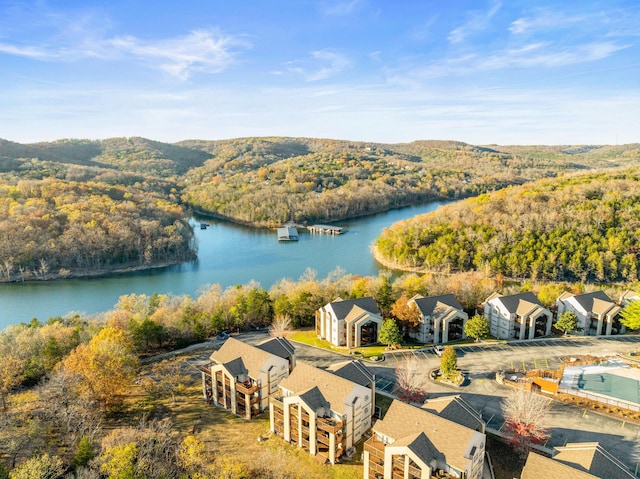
(524, 356)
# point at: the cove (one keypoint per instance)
(228, 254)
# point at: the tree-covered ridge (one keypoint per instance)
(134, 155)
(577, 227)
(267, 181)
(58, 228)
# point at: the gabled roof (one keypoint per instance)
(354, 371)
(422, 447)
(402, 422)
(236, 367)
(342, 307)
(512, 302)
(314, 399)
(334, 388)
(455, 409)
(278, 346)
(252, 357)
(357, 314)
(627, 296)
(592, 458)
(432, 304)
(576, 461)
(596, 299)
(538, 466)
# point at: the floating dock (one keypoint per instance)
(287, 233)
(326, 229)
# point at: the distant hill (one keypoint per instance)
(269, 180)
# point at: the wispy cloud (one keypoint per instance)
(532, 55)
(208, 51)
(477, 22)
(201, 50)
(323, 64)
(342, 8)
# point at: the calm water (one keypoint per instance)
(227, 255)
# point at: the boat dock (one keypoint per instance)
(326, 229)
(287, 233)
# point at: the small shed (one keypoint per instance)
(287, 234)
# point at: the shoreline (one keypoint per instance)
(394, 265)
(103, 272)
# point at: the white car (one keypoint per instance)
(438, 350)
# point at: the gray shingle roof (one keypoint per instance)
(512, 302)
(586, 300)
(455, 409)
(354, 371)
(592, 458)
(447, 437)
(314, 399)
(334, 389)
(252, 357)
(279, 347)
(428, 305)
(342, 308)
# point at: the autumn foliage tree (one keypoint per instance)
(407, 313)
(411, 381)
(106, 364)
(526, 419)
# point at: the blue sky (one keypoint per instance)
(510, 72)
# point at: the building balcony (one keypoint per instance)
(246, 387)
(329, 425)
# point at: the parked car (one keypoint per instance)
(223, 336)
(438, 349)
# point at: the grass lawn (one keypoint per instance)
(366, 352)
(235, 440)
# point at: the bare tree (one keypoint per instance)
(412, 381)
(280, 325)
(73, 416)
(526, 419)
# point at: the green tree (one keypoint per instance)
(389, 333)
(449, 362)
(630, 315)
(477, 327)
(84, 452)
(567, 321)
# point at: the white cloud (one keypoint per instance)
(201, 50)
(323, 64)
(477, 22)
(546, 20)
(532, 55)
(342, 8)
(208, 51)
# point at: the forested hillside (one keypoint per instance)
(60, 220)
(575, 227)
(77, 207)
(267, 181)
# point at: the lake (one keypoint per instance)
(228, 254)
